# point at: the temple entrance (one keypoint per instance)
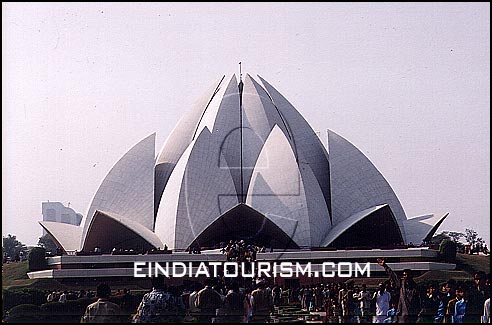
(244, 223)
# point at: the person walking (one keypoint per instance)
(208, 300)
(409, 304)
(102, 311)
(157, 306)
(383, 299)
(364, 298)
(261, 303)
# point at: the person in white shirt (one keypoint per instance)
(192, 301)
(364, 299)
(63, 297)
(486, 312)
(383, 299)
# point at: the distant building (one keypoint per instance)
(57, 212)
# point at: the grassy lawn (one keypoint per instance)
(472, 263)
(14, 271)
(466, 265)
(14, 274)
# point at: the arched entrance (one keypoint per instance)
(244, 223)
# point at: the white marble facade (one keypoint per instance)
(251, 147)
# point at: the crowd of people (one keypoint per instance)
(398, 299)
(239, 251)
(212, 302)
(451, 302)
(18, 257)
(63, 296)
(476, 249)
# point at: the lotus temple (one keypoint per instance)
(243, 164)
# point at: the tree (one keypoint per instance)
(437, 239)
(12, 246)
(454, 235)
(474, 240)
(472, 237)
(37, 259)
(447, 251)
(451, 236)
(47, 243)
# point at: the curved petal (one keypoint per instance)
(128, 189)
(375, 226)
(110, 230)
(179, 139)
(67, 236)
(245, 223)
(199, 192)
(305, 143)
(280, 188)
(422, 228)
(356, 183)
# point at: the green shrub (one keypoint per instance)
(37, 259)
(54, 308)
(447, 251)
(15, 297)
(68, 312)
(24, 313)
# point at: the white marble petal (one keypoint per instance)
(344, 225)
(278, 189)
(305, 143)
(128, 189)
(68, 236)
(199, 192)
(180, 138)
(104, 235)
(356, 183)
(421, 227)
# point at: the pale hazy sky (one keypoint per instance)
(407, 83)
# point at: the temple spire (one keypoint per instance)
(241, 85)
(242, 196)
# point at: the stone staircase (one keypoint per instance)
(294, 314)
